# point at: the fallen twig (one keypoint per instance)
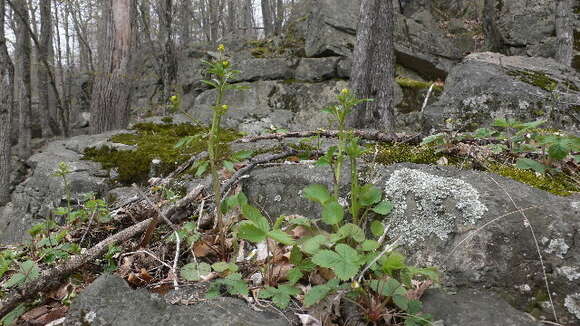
(53, 277)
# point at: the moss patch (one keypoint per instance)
(416, 84)
(557, 184)
(153, 141)
(540, 80)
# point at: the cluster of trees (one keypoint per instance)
(44, 44)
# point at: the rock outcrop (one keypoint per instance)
(486, 86)
(467, 223)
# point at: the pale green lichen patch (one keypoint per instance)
(426, 205)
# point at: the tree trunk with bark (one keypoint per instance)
(565, 49)
(373, 70)
(112, 88)
(47, 104)
(23, 50)
(169, 60)
(267, 18)
(493, 38)
(6, 102)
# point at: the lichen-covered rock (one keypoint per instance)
(486, 86)
(110, 301)
(476, 227)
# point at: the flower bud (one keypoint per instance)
(345, 91)
(221, 48)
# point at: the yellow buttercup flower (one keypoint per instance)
(173, 98)
(345, 91)
(221, 48)
(225, 107)
(225, 63)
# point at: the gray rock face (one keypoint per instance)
(421, 44)
(34, 199)
(486, 86)
(464, 223)
(110, 301)
(473, 308)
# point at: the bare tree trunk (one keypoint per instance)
(185, 17)
(213, 9)
(23, 49)
(267, 18)
(280, 12)
(373, 70)
(565, 49)
(112, 88)
(6, 101)
(248, 22)
(492, 36)
(46, 106)
(169, 60)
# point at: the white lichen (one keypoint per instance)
(572, 303)
(440, 204)
(90, 316)
(557, 247)
(571, 273)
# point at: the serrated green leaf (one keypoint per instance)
(429, 272)
(318, 193)
(377, 228)
(296, 256)
(194, 271)
(256, 217)
(383, 208)
(349, 230)
(11, 317)
(281, 236)
(319, 292)
(326, 258)
(223, 266)
(15, 279)
(280, 296)
(312, 245)
(249, 231)
(332, 213)
(395, 261)
(345, 262)
(201, 168)
(294, 275)
(558, 151)
(414, 307)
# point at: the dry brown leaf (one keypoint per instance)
(326, 273)
(419, 290)
(61, 292)
(201, 249)
(35, 313)
(280, 271)
(52, 315)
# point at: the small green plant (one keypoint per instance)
(221, 70)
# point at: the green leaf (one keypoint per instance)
(395, 261)
(349, 231)
(387, 288)
(223, 266)
(229, 166)
(253, 214)
(332, 213)
(401, 301)
(558, 151)
(242, 155)
(437, 139)
(281, 236)
(318, 193)
(526, 163)
(296, 256)
(11, 317)
(280, 296)
(377, 228)
(369, 195)
(195, 272)
(236, 285)
(429, 272)
(294, 275)
(201, 168)
(249, 231)
(16, 279)
(383, 208)
(319, 292)
(345, 262)
(369, 245)
(312, 245)
(414, 307)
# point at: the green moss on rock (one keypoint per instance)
(400, 153)
(540, 80)
(152, 141)
(556, 184)
(416, 84)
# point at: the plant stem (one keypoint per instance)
(213, 143)
(354, 190)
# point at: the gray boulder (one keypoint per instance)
(110, 301)
(41, 192)
(464, 223)
(486, 86)
(473, 308)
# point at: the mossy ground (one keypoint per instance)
(557, 184)
(540, 80)
(401, 153)
(152, 141)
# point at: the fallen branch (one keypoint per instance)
(53, 277)
(364, 134)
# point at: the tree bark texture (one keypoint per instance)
(565, 49)
(373, 70)
(267, 18)
(112, 88)
(46, 101)
(6, 102)
(493, 38)
(169, 60)
(23, 50)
